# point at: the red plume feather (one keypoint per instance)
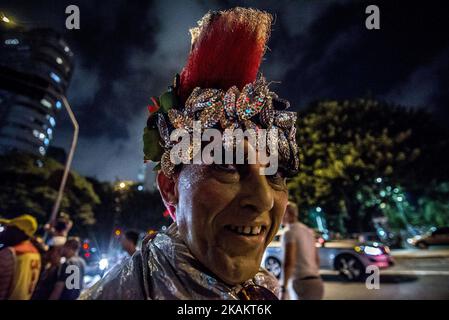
(227, 49)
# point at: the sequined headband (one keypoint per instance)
(253, 108)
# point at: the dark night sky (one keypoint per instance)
(127, 51)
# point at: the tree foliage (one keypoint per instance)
(347, 145)
(30, 185)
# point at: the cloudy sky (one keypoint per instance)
(127, 51)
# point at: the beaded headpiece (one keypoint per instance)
(221, 88)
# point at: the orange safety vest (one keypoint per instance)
(26, 271)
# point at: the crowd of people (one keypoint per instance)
(34, 269)
(45, 268)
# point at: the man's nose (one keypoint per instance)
(256, 191)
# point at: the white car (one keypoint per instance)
(349, 257)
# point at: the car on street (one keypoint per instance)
(435, 236)
(349, 257)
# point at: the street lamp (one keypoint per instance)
(69, 159)
(4, 18)
(122, 185)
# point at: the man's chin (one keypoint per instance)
(235, 270)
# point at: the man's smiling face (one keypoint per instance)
(227, 215)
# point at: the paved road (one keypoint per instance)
(411, 278)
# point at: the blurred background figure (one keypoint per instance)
(301, 280)
(129, 241)
(59, 230)
(69, 283)
(20, 261)
(51, 262)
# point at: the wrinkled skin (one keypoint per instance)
(207, 199)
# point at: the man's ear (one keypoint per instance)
(169, 192)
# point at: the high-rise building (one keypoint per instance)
(35, 70)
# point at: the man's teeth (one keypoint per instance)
(246, 230)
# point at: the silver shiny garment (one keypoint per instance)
(165, 269)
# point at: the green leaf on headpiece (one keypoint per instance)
(167, 101)
(151, 148)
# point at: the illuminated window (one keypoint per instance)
(55, 77)
(12, 42)
(51, 120)
(46, 103)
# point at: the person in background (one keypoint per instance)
(301, 277)
(51, 263)
(20, 261)
(70, 277)
(129, 241)
(59, 231)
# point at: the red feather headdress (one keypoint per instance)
(227, 49)
(219, 87)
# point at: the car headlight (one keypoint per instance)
(413, 240)
(372, 251)
(103, 264)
